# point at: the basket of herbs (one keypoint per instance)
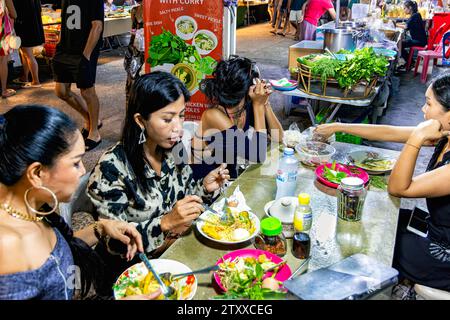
(345, 75)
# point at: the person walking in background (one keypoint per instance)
(7, 17)
(283, 14)
(75, 61)
(270, 10)
(313, 10)
(344, 11)
(276, 8)
(296, 16)
(28, 26)
(134, 56)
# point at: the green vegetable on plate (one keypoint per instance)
(332, 175)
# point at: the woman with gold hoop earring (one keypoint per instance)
(40, 166)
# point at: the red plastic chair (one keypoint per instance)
(427, 55)
(429, 46)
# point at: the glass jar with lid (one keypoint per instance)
(351, 195)
(271, 237)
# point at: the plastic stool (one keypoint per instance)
(426, 56)
(412, 50)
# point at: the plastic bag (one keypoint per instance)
(139, 40)
(292, 136)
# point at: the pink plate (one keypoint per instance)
(283, 274)
(349, 170)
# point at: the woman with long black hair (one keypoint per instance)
(423, 260)
(141, 179)
(40, 166)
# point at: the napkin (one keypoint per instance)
(236, 196)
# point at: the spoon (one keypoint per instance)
(172, 277)
(167, 291)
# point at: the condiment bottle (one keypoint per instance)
(303, 213)
(301, 245)
(350, 198)
(271, 237)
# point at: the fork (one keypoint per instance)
(225, 218)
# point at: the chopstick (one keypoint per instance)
(299, 268)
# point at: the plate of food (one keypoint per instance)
(331, 174)
(244, 226)
(242, 273)
(186, 27)
(284, 84)
(137, 280)
(205, 41)
(186, 74)
(371, 161)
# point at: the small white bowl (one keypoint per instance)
(283, 209)
(210, 35)
(182, 35)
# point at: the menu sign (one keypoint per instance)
(184, 37)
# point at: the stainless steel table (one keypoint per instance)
(332, 239)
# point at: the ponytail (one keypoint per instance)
(90, 263)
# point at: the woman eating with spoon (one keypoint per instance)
(423, 260)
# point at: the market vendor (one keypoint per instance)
(141, 179)
(423, 260)
(313, 10)
(240, 108)
(416, 27)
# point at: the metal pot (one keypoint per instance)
(337, 39)
(352, 24)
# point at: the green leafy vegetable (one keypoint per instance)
(243, 279)
(378, 182)
(332, 175)
(362, 64)
(171, 49)
(325, 68)
(166, 48)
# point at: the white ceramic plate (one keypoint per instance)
(356, 157)
(139, 270)
(205, 215)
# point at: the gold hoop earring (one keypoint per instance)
(29, 207)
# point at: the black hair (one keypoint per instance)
(34, 133)
(149, 93)
(441, 90)
(30, 134)
(411, 5)
(231, 81)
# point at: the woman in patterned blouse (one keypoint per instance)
(142, 179)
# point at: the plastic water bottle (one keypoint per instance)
(287, 174)
(303, 213)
